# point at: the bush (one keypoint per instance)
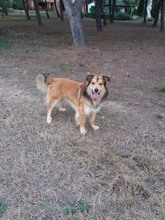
(122, 16)
(135, 11)
(17, 4)
(6, 4)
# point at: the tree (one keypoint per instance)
(36, 6)
(46, 9)
(4, 4)
(26, 8)
(140, 9)
(112, 5)
(155, 11)
(55, 5)
(162, 15)
(73, 9)
(62, 9)
(145, 11)
(98, 15)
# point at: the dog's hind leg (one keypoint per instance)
(51, 103)
(92, 121)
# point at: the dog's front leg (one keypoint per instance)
(92, 121)
(82, 118)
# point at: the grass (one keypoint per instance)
(51, 172)
(2, 209)
(73, 208)
(5, 43)
(158, 116)
(160, 90)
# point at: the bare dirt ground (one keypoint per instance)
(51, 172)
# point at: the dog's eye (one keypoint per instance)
(93, 83)
(100, 84)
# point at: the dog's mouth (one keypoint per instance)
(95, 95)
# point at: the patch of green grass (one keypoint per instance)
(53, 33)
(12, 21)
(158, 116)
(59, 66)
(2, 209)
(160, 90)
(5, 43)
(74, 207)
(119, 155)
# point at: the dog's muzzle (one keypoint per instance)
(95, 94)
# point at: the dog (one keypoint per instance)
(85, 98)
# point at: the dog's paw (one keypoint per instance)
(83, 131)
(49, 120)
(95, 127)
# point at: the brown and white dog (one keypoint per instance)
(85, 98)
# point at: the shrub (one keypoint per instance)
(122, 16)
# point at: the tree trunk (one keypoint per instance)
(145, 11)
(55, 5)
(62, 9)
(110, 11)
(26, 9)
(46, 9)
(103, 14)
(36, 6)
(98, 15)
(156, 15)
(162, 15)
(86, 6)
(113, 11)
(4, 8)
(73, 10)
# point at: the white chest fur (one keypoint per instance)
(89, 109)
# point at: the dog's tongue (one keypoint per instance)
(95, 96)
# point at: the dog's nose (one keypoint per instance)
(96, 90)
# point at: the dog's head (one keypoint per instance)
(95, 88)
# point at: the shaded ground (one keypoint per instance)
(51, 172)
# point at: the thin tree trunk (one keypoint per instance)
(156, 15)
(2, 13)
(73, 11)
(26, 9)
(162, 15)
(62, 8)
(145, 11)
(86, 6)
(4, 9)
(55, 5)
(103, 14)
(46, 8)
(36, 6)
(110, 11)
(98, 15)
(113, 11)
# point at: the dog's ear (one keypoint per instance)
(106, 79)
(88, 78)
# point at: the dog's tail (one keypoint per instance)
(42, 82)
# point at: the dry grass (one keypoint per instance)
(117, 172)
